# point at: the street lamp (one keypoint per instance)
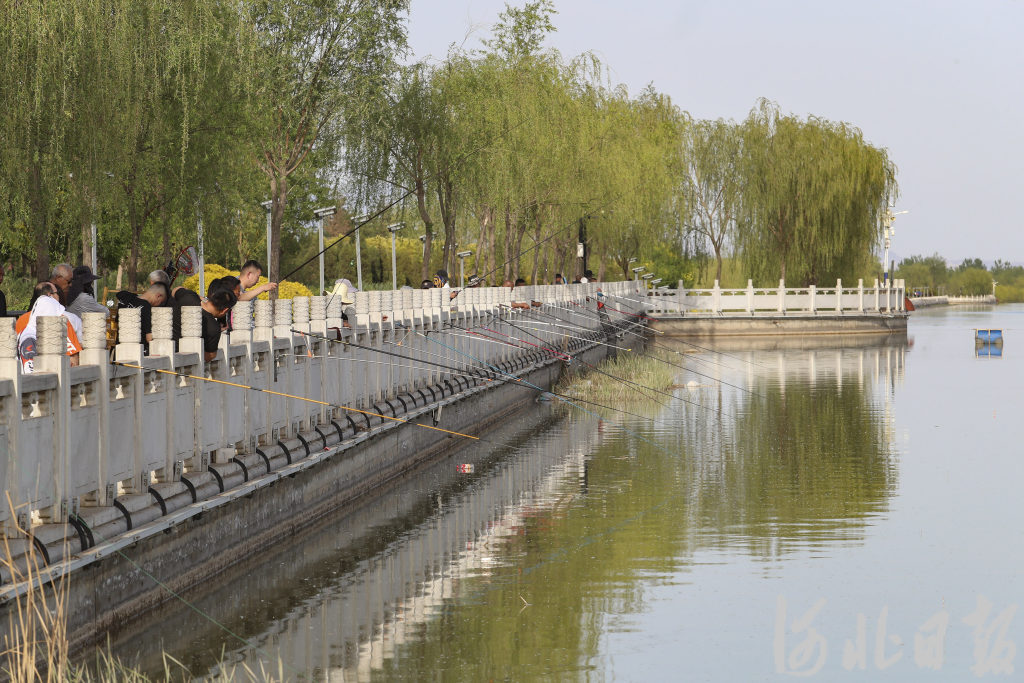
(637, 271)
(888, 231)
(267, 206)
(393, 228)
(323, 214)
(462, 263)
(357, 223)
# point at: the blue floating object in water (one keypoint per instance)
(989, 336)
(986, 350)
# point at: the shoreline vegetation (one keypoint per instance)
(36, 649)
(628, 376)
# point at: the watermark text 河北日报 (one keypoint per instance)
(800, 649)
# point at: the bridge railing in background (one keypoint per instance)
(103, 440)
(781, 300)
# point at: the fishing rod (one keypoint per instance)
(565, 400)
(660, 360)
(635, 385)
(626, 329)
(311, 400)
(697, 346)
(495, 378)
(392, 365)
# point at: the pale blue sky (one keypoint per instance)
(937, 83)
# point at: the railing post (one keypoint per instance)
(750, 297)
(812, 295)
(716, 299)
(860, 295)
(51, 344)
(782, 297)
(839, 296)
(878, 303)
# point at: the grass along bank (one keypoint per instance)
(627, 375)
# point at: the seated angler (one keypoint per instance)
(218, 302)
(154, 296)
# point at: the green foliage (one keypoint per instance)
(970, 281)
(814, 194)
(923, 272)
(148, 116)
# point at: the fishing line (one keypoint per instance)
(625, 429)
(638, 386)
(310, 400)
(635, 385)
(657, 358)
(494, 377)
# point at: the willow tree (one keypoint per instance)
(813, 195)
(321, 62)
(43, 51)
(711, 182)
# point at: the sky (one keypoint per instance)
(937, 83)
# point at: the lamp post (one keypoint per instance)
(323, 214)
(267, 206)
(888, 232)
(393, 228)
(462, 271)
(637, 271)
(357, 223)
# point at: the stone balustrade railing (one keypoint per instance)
(103, 440)
(879, 299)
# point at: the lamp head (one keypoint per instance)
(638, 269)
(395, 227)
(267, 205)
(464, 254)
(325, 212)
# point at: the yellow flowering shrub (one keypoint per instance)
(285, 290)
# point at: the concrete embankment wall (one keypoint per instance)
(780, 325)
(165, 467)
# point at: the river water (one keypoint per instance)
(842, 508)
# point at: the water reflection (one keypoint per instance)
(522, 570)
(807, 453)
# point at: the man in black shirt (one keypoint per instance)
(156, 295)
(217, 303)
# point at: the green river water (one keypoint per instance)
(848, 509)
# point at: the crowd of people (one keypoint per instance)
(69, 292)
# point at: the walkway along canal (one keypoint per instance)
(151, 474)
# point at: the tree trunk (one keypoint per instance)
(428, 227)
(279, 196)
(133, 253)
(536, 252)
(84, 223)
(507, 265)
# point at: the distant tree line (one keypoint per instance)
(145, 117)
(931, 275)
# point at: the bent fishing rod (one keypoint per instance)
(652, 356)
(565, 400)
(495, 375)
(305, 399)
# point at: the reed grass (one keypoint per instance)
(35, 649)
(630, 374)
